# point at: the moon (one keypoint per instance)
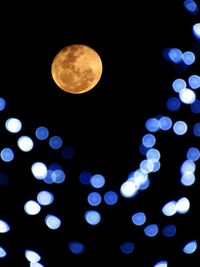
(76, 68)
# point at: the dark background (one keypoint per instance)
(104, 126)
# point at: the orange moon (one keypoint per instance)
(76, 68)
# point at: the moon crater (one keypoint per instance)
(76, 69)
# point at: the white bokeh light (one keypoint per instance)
(32, 208)
(13, 125)
(32, 256)
(25, 143)
(39, 170)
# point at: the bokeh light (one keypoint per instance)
(45, 198)
(32, 256)
(175, 55)
(182, 205)
(4, 226)
(161, 264)
(151, 230)
(178, 85)
(169, 209)
(127, 247)
(196, 30)
(148, 140)
(7, 154)
(2, 252)
(180, 127)
(190, 247)
(52, 221)
(188, 58)
(138, 218)
(31, 207)
(193, 154)
(25, 143)
(196, 129)
(194, 81)
(55, 142)
(110, 198)
(187, 96)
(13, 125)
(39, 170)
(169, 230)
(173, 103)
(42, 133)
(94, 198)
(76, 247)
(2, 103)
(92, 217)
(97, 181)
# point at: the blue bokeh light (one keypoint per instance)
(152, 125)
(195, 107)
(190, 247)
(180, 127)
(175, 55)
(94, 199)
(151, 230)
(52, 221)
(178, 85)
(110, 198)
(188, 179)
(169, 209)
(169, 230)
(188, 58)
(85, 177)
(45, 198)
(153, 155)
(92, 217)
(138, 218)
(127, 247)
(161, 264)
(76, 247)
(193, 154)
(7, 155)
(194, 81)
(97, 181)
(148, 140)
(196, 129)
(2, 252)
(173, 103)
(188, 166)
(190, 6)
(55, 142)
(42, 133)
(2, 103)
(165, 123)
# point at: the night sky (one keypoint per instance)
(103, 127)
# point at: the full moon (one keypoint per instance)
(76, 68)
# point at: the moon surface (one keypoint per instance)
(76, 68)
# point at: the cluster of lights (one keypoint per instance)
(138, 179)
